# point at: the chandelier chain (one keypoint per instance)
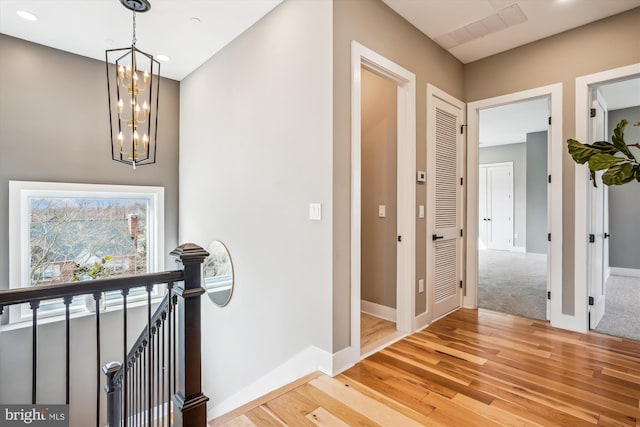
(133, 42)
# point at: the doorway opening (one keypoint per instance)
(596, 214)
(552, 96)
(614, 273)
(393, 241)
(512, 208)
(379, 210)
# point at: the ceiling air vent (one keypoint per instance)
(504, 18)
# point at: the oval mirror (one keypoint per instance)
(218, 274)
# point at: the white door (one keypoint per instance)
(597, 218)
(496, 206)
(445, 151)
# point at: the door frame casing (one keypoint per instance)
(554, 196)
(581, 178)
(405, 80)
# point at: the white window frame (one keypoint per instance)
(20, 192)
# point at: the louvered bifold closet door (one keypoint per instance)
(446, 235)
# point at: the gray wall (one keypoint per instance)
(379, 164)
(516, 153)
(255, 150)
(599, 46)
(378, 27)
(54, 127)
(624, 205)
(537, 192)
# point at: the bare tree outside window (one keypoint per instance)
(68, 233)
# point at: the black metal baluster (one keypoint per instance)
(67, 320)
(143, 400)
(164, 368)
(97, 297)
(175, 342)
(170, 308)
(150, 356)
(34, 351)
(125, 347)
(158, 372)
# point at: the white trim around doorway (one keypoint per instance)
(554, 195)
(362, 56)
(583, 104)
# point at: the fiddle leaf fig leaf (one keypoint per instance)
(581, 152)
(601, 161)
(619, 174)
(618, 140)
(604, 146)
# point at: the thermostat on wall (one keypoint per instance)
(422, 176)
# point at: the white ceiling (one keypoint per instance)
(191, 31)
(89, 27)
(544, 18)
(509, 124)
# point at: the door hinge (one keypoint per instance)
(549, 179)
(591, 301)
(462, 129)
(592, 238)
(460, 284)
(592, 112)
(548, 237)
(548, 295)
(461, 181)
(549, 119)
(461, 232)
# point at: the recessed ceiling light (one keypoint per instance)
(163, 58)
(195, 20)
(26, 15)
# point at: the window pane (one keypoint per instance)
(80, 238)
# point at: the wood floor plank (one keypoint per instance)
(373, 409)
(471, 368)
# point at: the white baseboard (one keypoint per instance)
(422, 321)
(344, 359)
(304, 363)
(626, 272)
(518, 249)
(378, 310)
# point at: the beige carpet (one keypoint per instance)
(513, 283)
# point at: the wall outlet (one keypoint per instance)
(421, 286)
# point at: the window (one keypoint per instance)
(63, 232)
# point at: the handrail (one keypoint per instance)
(60, 290)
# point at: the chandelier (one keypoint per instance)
(133, 83)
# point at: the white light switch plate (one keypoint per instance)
(421, 211)
(382, 211)
(315, 211)
(420, 285)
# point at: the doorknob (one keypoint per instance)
(435, 237)
(607, 235)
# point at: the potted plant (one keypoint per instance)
(90, 271)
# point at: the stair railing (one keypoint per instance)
(159, 382)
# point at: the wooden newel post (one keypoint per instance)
(190, 403)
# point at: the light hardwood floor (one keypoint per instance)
(375, 332)
(471, 368)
